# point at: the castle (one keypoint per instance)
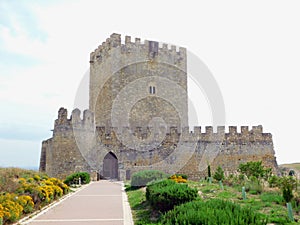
(137, 120)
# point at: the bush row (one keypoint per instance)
(164, 195)
(214, 211)
(74, 178)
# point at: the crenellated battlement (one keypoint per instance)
(62, 123)
(151, 49)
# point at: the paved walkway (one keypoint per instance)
(101, 202)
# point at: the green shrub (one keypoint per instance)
(219, 174)
(154, 185)
(287, 185)
(141, 178)
(164, 195)
(273, 181)
(255, 169)
(74, 178)
(213, 211)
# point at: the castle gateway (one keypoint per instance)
(138, 119)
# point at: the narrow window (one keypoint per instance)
(152, 90)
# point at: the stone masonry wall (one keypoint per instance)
(128, 71)
(63, 154)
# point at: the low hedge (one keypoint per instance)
(166, 194)
(142, 178)
(214, 211)
(74, 178)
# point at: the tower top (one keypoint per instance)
(152, 49)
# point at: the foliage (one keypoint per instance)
(25, 192)
(26, 202)
(13, 206)
(272, 197)
(178, 178)
(152, 186)
(74, 178)
(269, 203)
(219, 174)
(255, 169)
(214, 211)
(164, 195)
(142, 178)
(274, 181)
(287, 184)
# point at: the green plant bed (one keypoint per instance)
(226, 195)
(214, 211)
(272, 197)
(164, 195)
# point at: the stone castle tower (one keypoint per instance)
(138, 69)
(137, 120)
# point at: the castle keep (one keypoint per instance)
(138, 119)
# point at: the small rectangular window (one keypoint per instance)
(152, 90)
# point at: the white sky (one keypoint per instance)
(251, 47)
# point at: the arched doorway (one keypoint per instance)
(110, 166)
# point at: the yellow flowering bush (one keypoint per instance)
(27, 191)
(1, 213)
(26, 202)
(65, 188)
(178, 178)
(36, 177)
(43, 190)
(11, 209)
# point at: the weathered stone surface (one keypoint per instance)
(137, 119)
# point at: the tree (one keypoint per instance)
(287, 185)
(255, 169)
(219, 174)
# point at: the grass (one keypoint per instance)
(269, 203)
(141, 211)
(9, 178)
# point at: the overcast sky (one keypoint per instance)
(252, 48)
